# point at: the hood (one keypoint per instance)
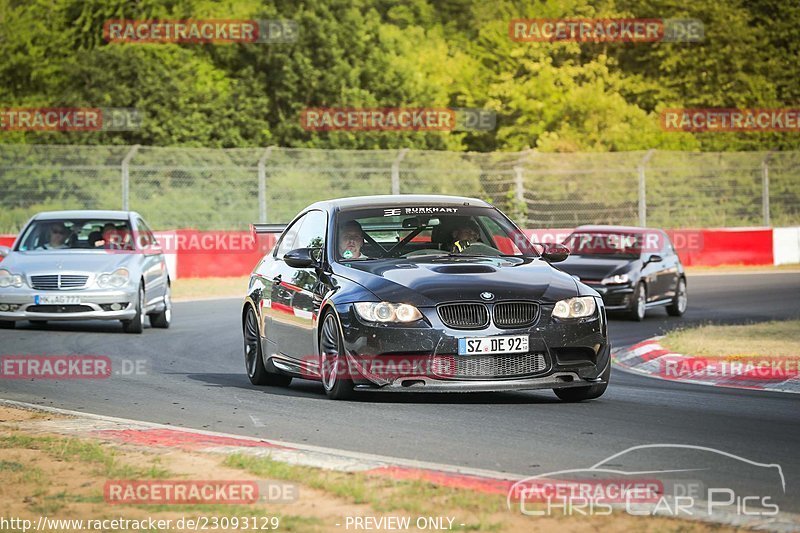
(52, 262)
(428, 282)
(595, 268)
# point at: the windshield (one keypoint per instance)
(623, 245)
(77, 234)
(421, 231)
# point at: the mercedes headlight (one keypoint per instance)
(619, 279)
(7, 279)
(115, 280)
(580, 307)
(387, 312)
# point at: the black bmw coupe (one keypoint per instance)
(420, 293)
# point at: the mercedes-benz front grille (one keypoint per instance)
(54, 282)
(464, 315)
(515, 314)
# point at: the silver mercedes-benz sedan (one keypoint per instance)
(85, 265)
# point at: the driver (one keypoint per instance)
(465, 235)
(58, 237)
(350, 240)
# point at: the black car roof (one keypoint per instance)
(382, 200)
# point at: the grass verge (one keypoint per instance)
(765, 340)
(196, 288)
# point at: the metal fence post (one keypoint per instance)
(643, 188)
(396, 170)
(262, 184)
(765, 188)
(519, 183)
(126, 178)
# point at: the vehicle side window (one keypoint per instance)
(668, 248)
(312, 232)
(288, 238)
(145, 237)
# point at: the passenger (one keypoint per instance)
(465, 235)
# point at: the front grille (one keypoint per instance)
(490, 366)
(615, 298)
(47, 283)
(54, 282)
(464, 315)
(59, 309)
(515, 314)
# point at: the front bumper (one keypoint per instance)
(89, 308)
(615, 297)
(576, 353)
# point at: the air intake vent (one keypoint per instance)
(464, 316)
(490, 366)
(464, 269)
(515, 314)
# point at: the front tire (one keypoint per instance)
(136, 325)
(332, 360)
(638, 303)
(579, 394)
(163, 318)
(680, 301)
(253, 357)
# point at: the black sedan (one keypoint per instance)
(634, 269)
(420, 293)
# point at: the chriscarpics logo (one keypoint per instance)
(677, 480)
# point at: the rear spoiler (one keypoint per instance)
(267, 228)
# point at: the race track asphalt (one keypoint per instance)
(194, 377)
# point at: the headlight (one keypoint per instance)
(580, 307)
(116, 279)
(387, 312)
(619, 279)
(7, 279)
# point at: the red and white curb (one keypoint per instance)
(651, 359)
(131, 432)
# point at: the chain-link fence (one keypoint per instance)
(227, 189)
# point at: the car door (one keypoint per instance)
(305, 288)
(154, 268)
(671, 271)
(278, 312)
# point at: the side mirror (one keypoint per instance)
(554, 253)
(655, 258)
(4, 251)
(301, 258)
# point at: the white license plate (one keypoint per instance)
(56, 299)
(493, 345)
